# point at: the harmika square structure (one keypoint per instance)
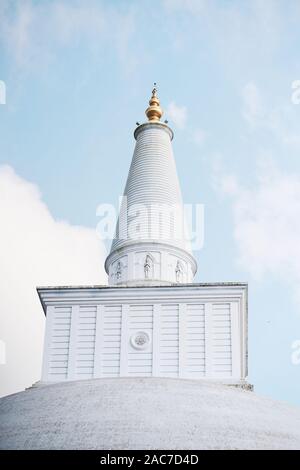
(152, 320)
(191, 331)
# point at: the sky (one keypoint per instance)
(78, 76)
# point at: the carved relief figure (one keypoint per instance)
(147, 266)
(119, 270)
(178, 271)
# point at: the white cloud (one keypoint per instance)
(280, 120)
(253, 110)
(177, 114)
(267, 223)
(17, 33)
(35, 249)
(199, 136)
(192, 6)
(243, 35)
(71, 20)
(35, 32)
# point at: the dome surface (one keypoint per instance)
(145, 413)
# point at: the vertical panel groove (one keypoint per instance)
(99, 341)
(124, 341)
(182, 372)
(156, 347)
(235, 340)
(208, 340)
(47, 343)
(73, 341)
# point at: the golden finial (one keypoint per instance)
(154, 111)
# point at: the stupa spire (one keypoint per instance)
(150, 246)
(154, 112)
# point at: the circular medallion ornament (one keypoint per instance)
(140, 340)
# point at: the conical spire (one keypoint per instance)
(154, 111)
(150, 247)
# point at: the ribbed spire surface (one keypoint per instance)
(151, 245)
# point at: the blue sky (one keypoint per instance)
(78, 76)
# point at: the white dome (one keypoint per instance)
(146, 413)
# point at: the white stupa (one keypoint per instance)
(153, 360)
